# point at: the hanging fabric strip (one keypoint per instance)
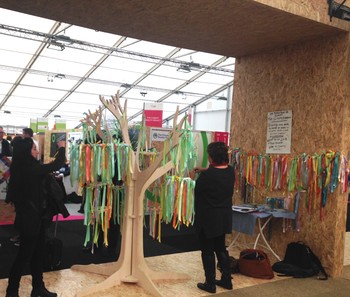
(335, 173)
(82, 172)
(267, 171)
(292, 175)
(343, 174)
(87, 163)
(87, 213)
(74, 164)
(205, 145)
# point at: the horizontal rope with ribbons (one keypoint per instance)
(317, 174)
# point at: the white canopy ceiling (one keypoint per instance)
(56, 70)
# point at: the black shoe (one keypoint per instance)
(42, 292)
(211, 288)
(224, 283)
(11, 295)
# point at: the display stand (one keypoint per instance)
(131, 266)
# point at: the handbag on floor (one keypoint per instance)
(299, 262)
(255, 263)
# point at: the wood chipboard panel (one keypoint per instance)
(311, 80)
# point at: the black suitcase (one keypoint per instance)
(53, 251)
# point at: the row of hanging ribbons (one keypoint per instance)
(96, 168)
(173, 202)
(103, 202)
(317, 175)
(92, 163)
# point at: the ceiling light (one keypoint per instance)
(60, 76)
(223, 98)
(338, 10)
(143, 93)
(195, 65)
(185, 68)
(183, 95)
(7, 111)
(50, 78)
(125, 86)
(63, 39)
(54, 45)
(56, 116)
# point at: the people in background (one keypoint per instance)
(213, 208)
(5, 149)
(26, 182)
(29, 133)
(10, 196)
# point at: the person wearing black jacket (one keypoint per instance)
(5, 149)
(27, 176)
(213, 209)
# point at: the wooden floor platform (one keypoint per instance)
(68, 282)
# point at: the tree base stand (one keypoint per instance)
(143, 277)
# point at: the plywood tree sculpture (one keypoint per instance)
(131, 266)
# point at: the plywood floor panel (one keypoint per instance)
(68, 282)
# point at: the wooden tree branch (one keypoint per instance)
(113, 105)
(157, 173)
(94, 120)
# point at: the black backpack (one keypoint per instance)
(299, 261)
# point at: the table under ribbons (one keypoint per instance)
(244, 223)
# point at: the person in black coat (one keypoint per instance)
(27, 176)
(5, 149)
(213, 209)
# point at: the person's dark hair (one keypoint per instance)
(28, 131)
(22, 155)
(218, 152)
(15, 139)
(22, 152)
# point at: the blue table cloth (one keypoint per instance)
(245, 222)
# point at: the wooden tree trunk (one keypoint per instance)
(131, 266)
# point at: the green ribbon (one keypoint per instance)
(205, 145)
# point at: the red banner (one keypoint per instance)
(221, 136)
(154, 114)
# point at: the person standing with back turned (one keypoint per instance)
(27, 179)
(213, 208)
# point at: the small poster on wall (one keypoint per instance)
(56, 137)
(153, 114)
(279, 132)
(159, 134)
(74, 138)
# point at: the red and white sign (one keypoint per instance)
(221, 136)
(189, 113)
(154, 114)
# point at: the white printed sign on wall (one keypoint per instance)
(279, 132)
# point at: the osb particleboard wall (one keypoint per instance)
(311, 80)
